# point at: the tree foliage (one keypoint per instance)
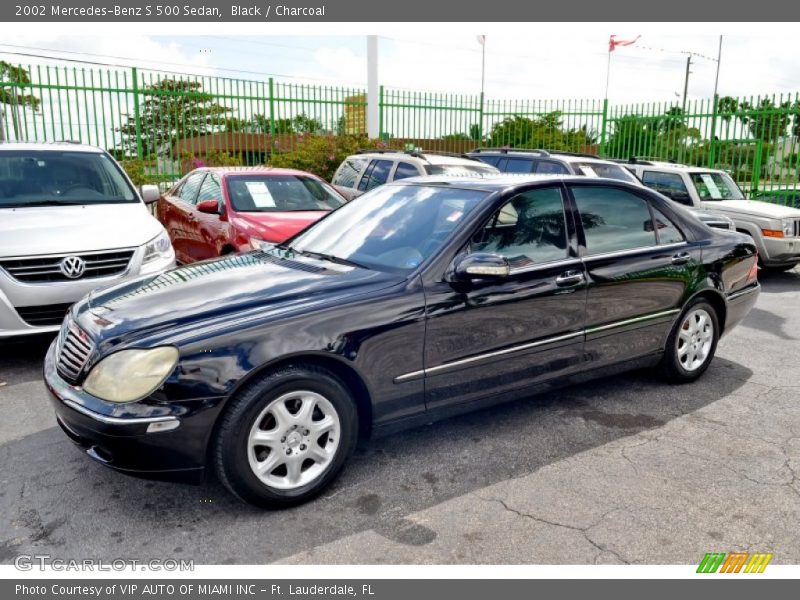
(546, 131)
(173, 109)
(321, 154)
(9, 94)
(665, 136)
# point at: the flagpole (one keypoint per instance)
(608, 72)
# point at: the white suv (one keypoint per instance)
(368, 169)
(774, 228)
(71, 221)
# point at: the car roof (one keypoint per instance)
(260, 170)
(499, 181)
(671, 166)
(48, 146)
(432, 158)
(569, 157)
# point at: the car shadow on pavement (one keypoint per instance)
(54, 499)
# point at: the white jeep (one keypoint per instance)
(775, 228)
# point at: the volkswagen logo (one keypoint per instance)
(72, 266)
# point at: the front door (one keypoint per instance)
(494, 336)
(207, 236)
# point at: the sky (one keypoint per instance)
(549, 62)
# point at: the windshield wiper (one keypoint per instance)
(330, 258)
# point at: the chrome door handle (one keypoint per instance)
(569, 278)
(681, 259)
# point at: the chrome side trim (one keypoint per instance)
(632, 251)
(566, 262)
(488, 355)
(744, 292)
(642, 319)
(115, 420)
(560, 338)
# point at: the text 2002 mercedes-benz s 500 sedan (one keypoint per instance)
(420, 299)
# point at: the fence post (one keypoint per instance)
(712, 151)
(603, 126)
(271, 118)
(137, 117)
(380, 113)
(480, 121)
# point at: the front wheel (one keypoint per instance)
(691, 344)
(285, 437)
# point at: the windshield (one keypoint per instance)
(598, 169)
(51, 178)
(280, 193)
(392, 228)
(476, 169)
(716, 186)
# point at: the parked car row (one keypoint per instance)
(327, 320)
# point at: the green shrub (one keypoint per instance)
(322, 154)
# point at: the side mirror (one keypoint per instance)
(210, 207)
(150, 193)
(481, 265)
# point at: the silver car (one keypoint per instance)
(71, 221)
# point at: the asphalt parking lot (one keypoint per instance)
(625, 470)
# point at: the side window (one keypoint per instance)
(189, 189)
(551, 167)
(669, 184)
(519, 165)
(346, 177)
(665, 229)
(376, 175)
(405, 170)
(489, 160)
(613, 219)
(362, 185)
(528, 230)
(210, 190)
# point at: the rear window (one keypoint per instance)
(348, 172)
(52, 178)
(280, 193)
(599, 169)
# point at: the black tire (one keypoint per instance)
(671, 367)
(777, 269)
(230, 450)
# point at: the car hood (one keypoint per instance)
(753, 207)
(255, 285)
(73, 229)
(277, 227)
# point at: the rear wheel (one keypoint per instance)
(691, 344)
(285, 437)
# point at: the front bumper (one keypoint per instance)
(14, 293)
(116, 435)
(781, 251)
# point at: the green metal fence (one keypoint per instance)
(164, 124)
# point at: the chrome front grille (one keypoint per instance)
(42, 269)
(74, 351)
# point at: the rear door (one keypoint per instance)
(499, 335)
(639, 266)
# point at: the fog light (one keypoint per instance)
(163, 426)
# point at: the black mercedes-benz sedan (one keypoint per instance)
(418, 300)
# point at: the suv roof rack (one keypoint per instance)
(507, 149)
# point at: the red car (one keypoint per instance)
(215, 211)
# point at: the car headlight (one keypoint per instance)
(130, 375)
(788, 227)
(158, 247)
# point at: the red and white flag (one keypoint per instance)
(482, 40)
(613, 42)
